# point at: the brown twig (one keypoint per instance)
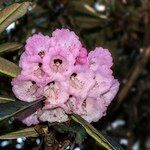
(141, 63)
(137, 70)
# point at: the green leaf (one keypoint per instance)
(26, 132)
(8, 110)
(80, 135)
(12, 13)
(4, 99)
(97, 136)
(112, 141)
(9, 47)
(78, 130)
(87, 23)
(62, 128)
(9, 68)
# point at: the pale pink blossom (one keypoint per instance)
(66, 39)
(37, 44)
(103, 82)
(81, 81)
(93, 109)
(68, 79)
(98, 58)
(58, 63)
(54, 115)
(35, 73)
(25, 90)
(26, 61)
(56, 94)
(73, 105)
(109, 96)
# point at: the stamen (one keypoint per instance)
(51, 83)
(41, 54)
(33, 82)
(74, 75)
(40, 64)
(57, 61)
(70, 96)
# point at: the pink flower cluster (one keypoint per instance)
(60, 70)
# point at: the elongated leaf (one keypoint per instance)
(12, 13)
(8, 110)
(112, 141)
(4, 99)
(27, 132)
(87, 23)
(8, 68)
(99, 138)
(9, 47)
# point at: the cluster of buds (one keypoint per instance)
(68, 78)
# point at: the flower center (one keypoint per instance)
(72, 77)
(41, 54)
(51, 84)
(40, 64)
(33, 82)
(57, 62)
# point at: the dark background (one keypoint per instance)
(122, 26)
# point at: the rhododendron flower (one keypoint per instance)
(73, 104)
(81, 80)
(25, 90)
(56, 93)
(59, 70)
(26, 60)
(37, 44)
(109, 96)
(36, 74)
(58, 63)
(102, 85)
(54, 115)
(68, 40)
(93, 109)
(99, 57)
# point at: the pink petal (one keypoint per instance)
(35, 73)
(66, 39)
(109, 96)
(102, 84)
(93, 110)
(54, 115)
(98, 58)
(25, 90)
(81, 81)
(73, 105)
(56, 93)
(58, 64)
(37, 44)
(27, 61)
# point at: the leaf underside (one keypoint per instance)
(12, 13)
(8, 110)
(27, 132)
(95, 134)
(9, 68)
(10, 47)
(4, 99)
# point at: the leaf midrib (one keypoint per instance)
(15, 10)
